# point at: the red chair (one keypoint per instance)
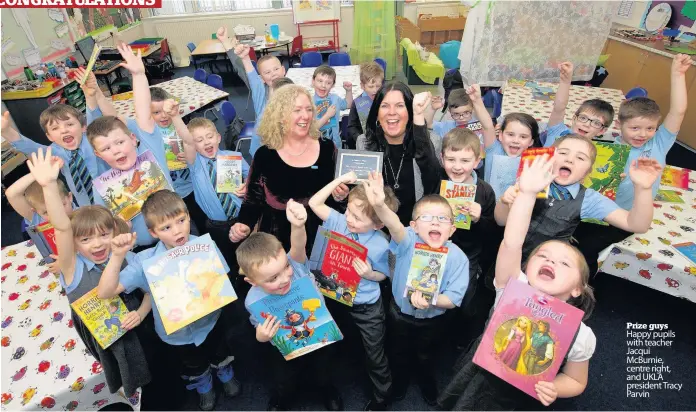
(252, 54)
(295, 50)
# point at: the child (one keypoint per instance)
(460, 107)
(555, 268)
(84, 248)
(200, 345)
(461, 152)
(415, 321)
(592, 118)
(329, 105)
(361, 223)
(371, 79)
(557, 217)
(270, 271)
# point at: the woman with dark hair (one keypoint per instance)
(396, 126)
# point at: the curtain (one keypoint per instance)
(528, 39)
(374, 33)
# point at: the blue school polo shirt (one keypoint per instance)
(133, 277)
(455, 279)
(80, 263)
(554, 132)
(377, 254)
(331, 127)
(299, 270)
(655, 148)
(28, 146)
(259, 95)
(594, 204)
(204, 191)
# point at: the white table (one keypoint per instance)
(45, 365)
(303, 77)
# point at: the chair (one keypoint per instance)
(295, 50)
(200, 75)
(201, 60)
(339, 59)
(252, 54)
(214, 80)
(243, 147)
(382, 63)
(636, 92)
(449, 54)
(497, 103)
(228, 112)
(311, 59)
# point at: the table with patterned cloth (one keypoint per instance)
(193, 95)
(520, 98)
(45, 365)
(303, 77)
(648, 258)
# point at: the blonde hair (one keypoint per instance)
(590, 145)
(432, 200)
(369, 71)
(88, 220)
(103, 126)
(273, 124)
(639, 107)
(265, 59)
(521, 366)
(259, 248)
(461, 138)
(200, 123)
(35, 197)
(161, 205)
(390, 199)
(57, 112)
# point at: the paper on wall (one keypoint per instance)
(7, 44)
(61, 29)
(32, 56)
(12, 59)
(58, 44)
(56, 15)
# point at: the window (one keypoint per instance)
(170, 7)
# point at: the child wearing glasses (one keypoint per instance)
(592, 118)
(461, 108)
(414, 321)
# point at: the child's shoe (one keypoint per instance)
(225, 374)
(206, 401)
(232, 388)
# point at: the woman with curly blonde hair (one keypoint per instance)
(293, 163)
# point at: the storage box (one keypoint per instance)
(441, 23)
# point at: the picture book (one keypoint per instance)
(476, 127)
(528, 156)
(669, 196)
(90, 64)
(605, 175)
(229, 173)
(503, 173)
(686, 249)
(675, 177)
(427, 269)
(332, 265)
(527, 336)
(188, 282)
(459, 196)
(102, 317)
(122, 96)
(125, 191)
(44, 238)
(173, 145)
(306, 324)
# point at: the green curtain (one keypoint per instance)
(374, 33)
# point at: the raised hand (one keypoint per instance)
(644, 172)
(340, 192)
(566, 71)
(132, 62)
(537, 176)
(374, 189)
(122, 244)
(296, 213)
(681, 63)
(348, 86)
(437, 102)
(474, 92)
(171, 107)
(348, 178)
(224, 39)
(242, 50)
(7, 131)
(267, 330)
(44, 168)
(421, 102)
(88, 81)
(238, 232)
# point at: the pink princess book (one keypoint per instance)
(527, 337)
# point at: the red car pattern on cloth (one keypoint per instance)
(672, 283)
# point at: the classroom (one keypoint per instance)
(348, 205)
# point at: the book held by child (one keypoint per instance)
(44, 238)
(229, 173)
(675, 177)
(476, 127)
(102, 317)
(527, 336)
(306, 325)
(188, 282)
(605, 175)
(173, 146)
(459, 196)
(426, 272)
(528, 157)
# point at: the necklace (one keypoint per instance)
(398, 172)
(298, 154)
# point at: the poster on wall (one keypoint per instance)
(61, 29)
(12, 59)
(88, 20)
(7, 44)
(58, 45)
(32, 57)
(306, 11)
(56, 15)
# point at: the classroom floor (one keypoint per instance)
(618, 302)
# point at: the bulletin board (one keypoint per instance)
(306, 11)
(32, 36)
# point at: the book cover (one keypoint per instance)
(427, 269)
(476, 127)
(306, 324)
(122, 96)
(527, 336)
(605, 175)
(675, 177)
(90, 64)
(686, 249)
(125, 191)
(459, 196)
(503, 173)
(44, 238)
(188, 282)
(331, 262)
(229, 173)
(173, 145)
(102, 317)
(528, 156)
(669, 196)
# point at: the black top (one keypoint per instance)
(354, 128)
(272, 182)
(471, 241)
(406, 192)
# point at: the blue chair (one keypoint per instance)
(214, 80)
(228, 112)
(311, 59)
(339, 59)
(200, 75)
(191, 46)
(636, 92)
(382, 63)
(248, 129)
(497, 103)
(449, 54)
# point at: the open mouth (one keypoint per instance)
(582, 132)
(458, 177)
(547, 273)
(121, 160)
(564, 172)
(514, 149)
(165, 123)
(210, 151)
(302, 124)
(434, 235)
(99, 255)
(68, 140)
(285, 289)
(181, 241)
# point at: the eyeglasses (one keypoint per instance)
(460, 115)
(593, 122)
(429, 218)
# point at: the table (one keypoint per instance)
(45, 365)
(104, 75)
(261, 45)
(647, 259)
(213, 47)
(303, 77)
(519, 99)
(193, 95)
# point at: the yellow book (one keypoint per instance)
(102, 317)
